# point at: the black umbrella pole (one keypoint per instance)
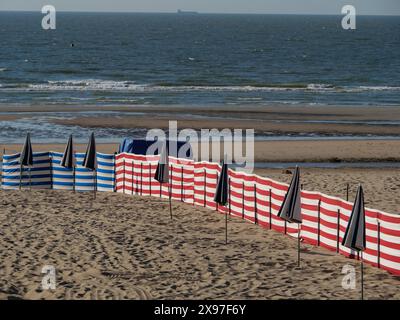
(298, 249)
(170, 203)
(170, 192)
(362, 278)
(226, 228)
(170, 207)
(73, 179)
(30, 179)
(95, 184)
(20, 177)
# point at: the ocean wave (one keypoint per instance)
(130, 86)
(86, 85)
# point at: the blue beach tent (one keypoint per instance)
(140, 146)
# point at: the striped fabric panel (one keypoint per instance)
(135, 175)
(258, 200)
(85, 179)
(105, 172)
(38, 176)
(62, 177)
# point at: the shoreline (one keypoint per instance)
(302, 151)
(271, 123)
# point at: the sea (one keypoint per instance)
(202, 59)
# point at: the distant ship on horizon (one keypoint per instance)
(186, 12)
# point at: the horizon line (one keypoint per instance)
(203, 13)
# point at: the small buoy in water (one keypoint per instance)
(72, 44)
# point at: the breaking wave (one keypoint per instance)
(130, 86)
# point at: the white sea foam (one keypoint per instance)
(86, 85)
(320, 86)
(130, 86)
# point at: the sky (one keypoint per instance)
(367, 7)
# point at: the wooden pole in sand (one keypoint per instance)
(2, 166)
(347, 192)
(141, 178)
(160, 189)
(379, 244)
(123, 176)
(182, 184)
(150, 178)
(229, 210)
(298, 245)
(298, 237)
(229, 193)
(270, 209)
(226, 215)
(205, 187)
(170, 190)
(73, 178)
(114, 172)
(338, 231)
(51, 169)
(133, 168)
(362, 276)
(216, 204)
(319, 223)
(95, 182)
(30, 178)
(243, 200)
(255, 205)
(20, 176)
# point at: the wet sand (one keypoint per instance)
(276, 119)
(124, 247)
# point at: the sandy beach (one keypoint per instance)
(124, 247)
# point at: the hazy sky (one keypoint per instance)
(226, 6)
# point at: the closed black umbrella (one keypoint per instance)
(89, 162)
(290, 210)
(221, 192)
(68, 158)
(162, 172)
(354, 237)
(291, 206)
(26, 158)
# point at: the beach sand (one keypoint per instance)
(126, 247)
